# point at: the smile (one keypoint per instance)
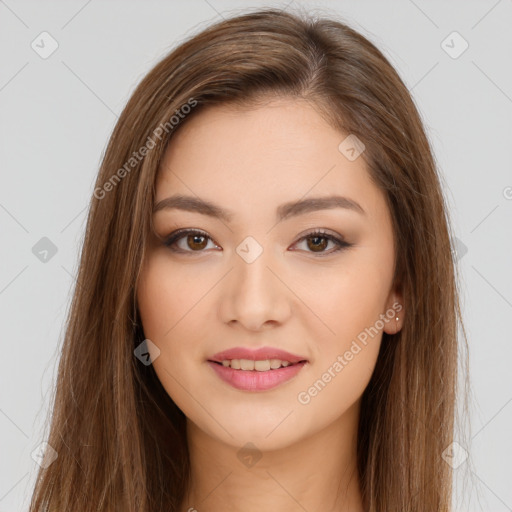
(251, 375)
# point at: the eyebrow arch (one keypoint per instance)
(284, 211)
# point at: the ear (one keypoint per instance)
(395, 306)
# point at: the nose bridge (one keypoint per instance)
(252, 269)
(255, 295)
(251, 272)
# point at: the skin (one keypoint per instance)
(195, 304)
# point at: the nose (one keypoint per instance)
(254, 294)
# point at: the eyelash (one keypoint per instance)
(181, 233)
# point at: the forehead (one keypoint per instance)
(262, 156)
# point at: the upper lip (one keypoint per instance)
(259, 354)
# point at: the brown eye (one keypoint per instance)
(317, 243)
(196, 242)
(191, 241)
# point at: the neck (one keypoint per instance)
(317, 473)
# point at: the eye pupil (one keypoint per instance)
(315, 245)
(193, 238)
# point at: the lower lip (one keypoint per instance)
(253, 380)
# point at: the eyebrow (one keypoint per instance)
(284, 211)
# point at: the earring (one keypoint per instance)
(396, 319)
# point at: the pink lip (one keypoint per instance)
(253, 380)
(260, 354)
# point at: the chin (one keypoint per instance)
(266, 432)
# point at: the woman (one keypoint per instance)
(267, 304)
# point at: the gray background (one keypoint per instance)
(58, 112)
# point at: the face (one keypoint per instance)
(314, 281)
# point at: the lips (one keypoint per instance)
(272, 367)
(259, 354)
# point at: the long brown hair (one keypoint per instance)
(120, 438)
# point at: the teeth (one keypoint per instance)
(260, 366)
(246, 364)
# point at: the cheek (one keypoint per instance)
(346, 346)
(169, 296)
(348, 302)
(171, 310)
